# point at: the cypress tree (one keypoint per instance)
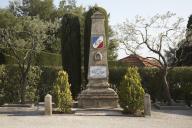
(189, 24)
(185, 49)
(87, 33)
(70, 48)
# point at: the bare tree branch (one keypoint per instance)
(155, 34)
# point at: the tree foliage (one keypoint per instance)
(11, 76)
(43, 8)
(183, 49)
(27, 35)
(189, 24)
(7, 19)
(71, 51)
(62, 93)
(112, 45)
(131, 93)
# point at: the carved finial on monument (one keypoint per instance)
(97, 15)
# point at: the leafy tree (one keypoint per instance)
(69, 6)
(26, 34)
(112, 50)
(15, 8)
(53, 42)
(43, 8)
(183, 50)
(155, 34)
(112, 46)
(10, 88)
(7, 19)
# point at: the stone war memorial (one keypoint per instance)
(98, 94)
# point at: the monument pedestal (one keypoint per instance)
(98, 95)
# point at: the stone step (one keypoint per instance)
(17, 105)
(98, 112)
(172, 107)
(75, 104)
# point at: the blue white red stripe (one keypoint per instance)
(97, 41)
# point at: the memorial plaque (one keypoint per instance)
(98, 71)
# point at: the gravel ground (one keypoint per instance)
(27, 118)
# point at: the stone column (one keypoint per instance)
(48, 104)
(147, 105)
(98, 94)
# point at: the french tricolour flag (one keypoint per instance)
(97, 41)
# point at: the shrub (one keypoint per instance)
(152, 82)
(181, 83)
(40, 82)
(62, 93)
(116, 74)
(2, 75)
(47, 79)
(179, 79)
(10, 84)
(10, 88)
(131, 93)
(33, 83)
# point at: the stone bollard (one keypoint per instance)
(147, 105)
(48, 104)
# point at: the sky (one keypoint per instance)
(120, 10)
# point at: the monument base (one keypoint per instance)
(98, 97)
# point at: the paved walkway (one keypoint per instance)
(27, 118)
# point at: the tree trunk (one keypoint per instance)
(23, 88)
(166, 87)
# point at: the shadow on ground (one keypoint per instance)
(23, 111)
(176, 112)
(20, 111)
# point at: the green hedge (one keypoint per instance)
(48, 59)
(48, 77)
(179, 79)
(41, 58)
(181, 83)
(10, 88)
(9, 83)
